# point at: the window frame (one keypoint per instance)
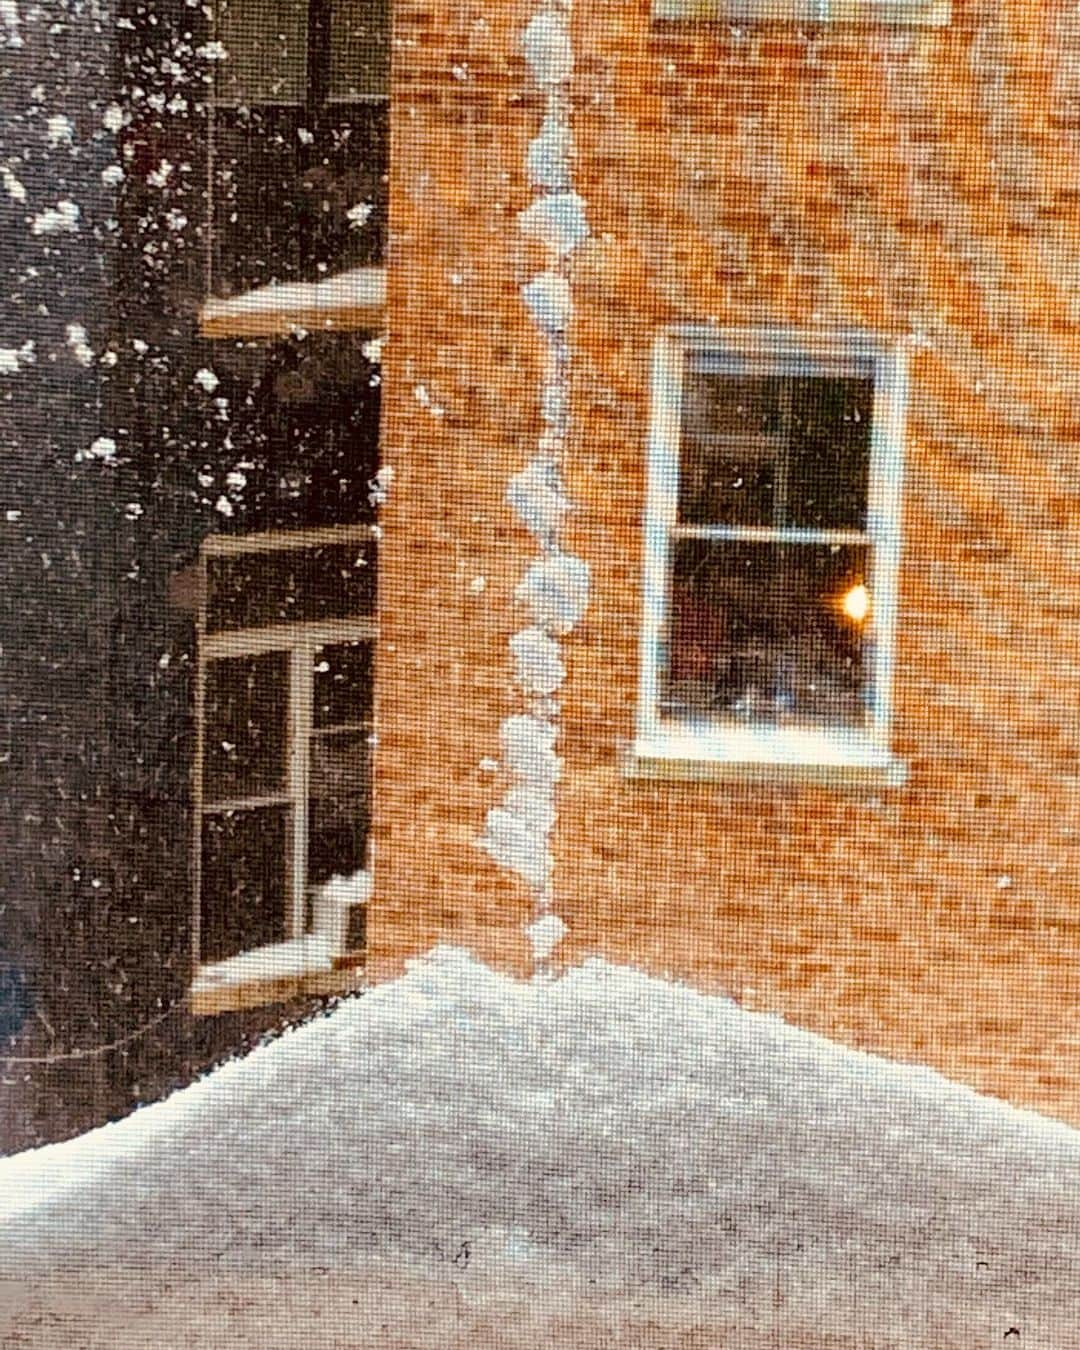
(301, 640)
(667, 747)
(886, 13)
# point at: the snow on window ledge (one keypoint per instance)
(274, 973)
(352, 300)
(296, 957)
(927, 13)
(832, 758)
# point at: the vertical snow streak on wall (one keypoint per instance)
(556, 584)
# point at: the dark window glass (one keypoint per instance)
(293, 52)
(253, 590)
(340, 781)
(284, 181)
(359, 49)
(343, 684)
(778, 451)
(303, 422)
(300, 138)
(339, 804)
(767, 632)
(243, 881)
(829, 448)
(266, 42)
(247, 702)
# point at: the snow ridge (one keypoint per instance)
(555, 586)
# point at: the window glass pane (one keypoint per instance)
(830, 453)
(343, 674)
(247, 703)
(253, 590)
(732, 443)
(767, 632)
(242, 888)
(279, 202)
(777, 451)
(266, 42)
(257, 200)
(359, 48)
(339, 804)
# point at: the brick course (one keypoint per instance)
(906, 181)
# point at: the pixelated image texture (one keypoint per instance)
(541, 673)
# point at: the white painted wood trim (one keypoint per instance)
(662, 495)
(275, 541)
(888, 13)
(353, 301)
(279, 637)
(227, 804)
(301, 662)
(302, 640)
(772, 351)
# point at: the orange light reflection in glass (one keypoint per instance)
(854, 604)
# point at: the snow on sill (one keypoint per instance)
(922, 13)
(766, 753)
(352, 299)
(280, 960)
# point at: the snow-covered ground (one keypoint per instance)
(456, 1158)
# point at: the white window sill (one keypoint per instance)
(284, 970)
(888, 13)
(765, 754)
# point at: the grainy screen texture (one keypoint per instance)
(540, 655)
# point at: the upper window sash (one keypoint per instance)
(930, 13)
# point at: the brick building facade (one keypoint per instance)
(885, 202)
(820, 745)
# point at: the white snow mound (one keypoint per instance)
(636, 1136)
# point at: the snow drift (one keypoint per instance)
(607, 1133)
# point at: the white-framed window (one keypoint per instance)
(935, 13)
(284, 735)
(772, 540)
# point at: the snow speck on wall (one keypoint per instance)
(12, 185)
(545, 934)
(556, 589)
(549, 301)
(9, 17)
(59, 130)
(113, 118)
(547, 48)
(537, 660)
(104, 449)
(536, 495)
(79, 345)
(13, 359)
(549, 155)
(556, 220)
(529, 749)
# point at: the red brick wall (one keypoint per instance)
(920, 181)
